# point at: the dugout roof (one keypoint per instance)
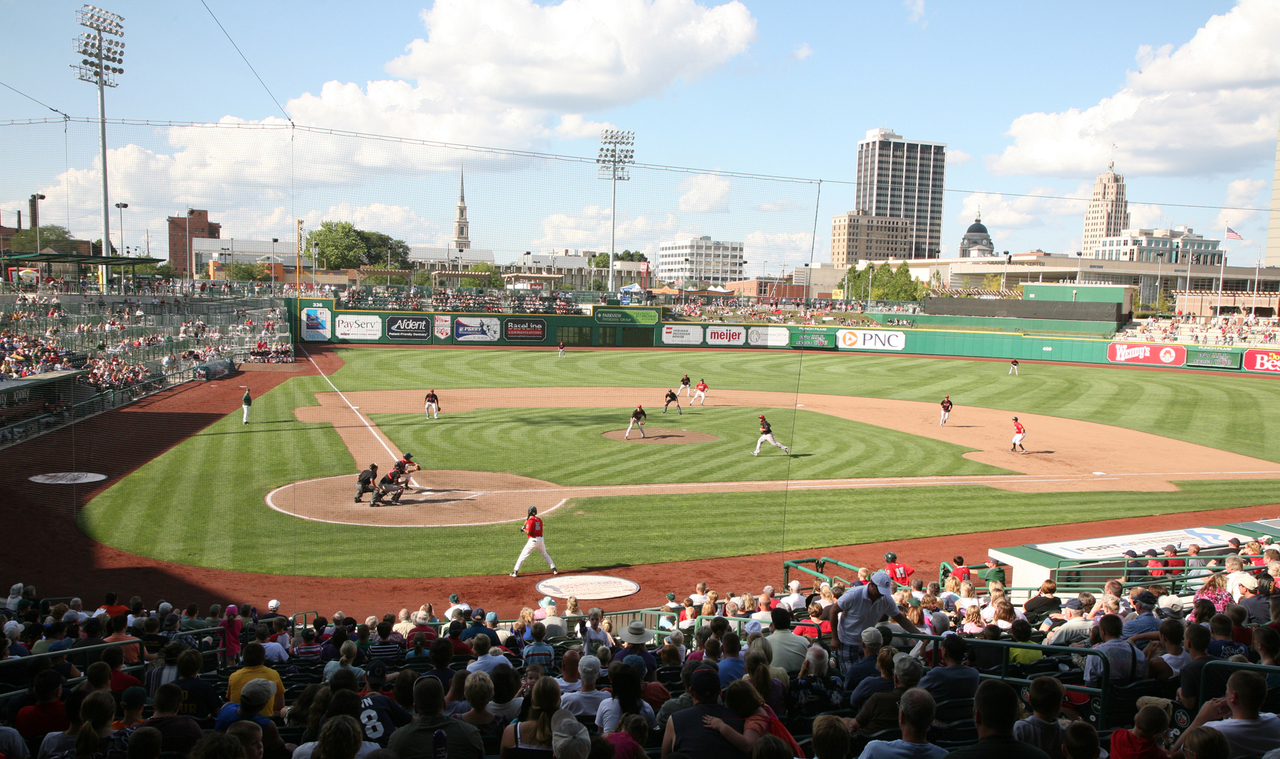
(75, 258)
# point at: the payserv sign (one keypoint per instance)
(870, 340)
(1262, 361)
(357, 327)
(1143, 353)
(726, 335)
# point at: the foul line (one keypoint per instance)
(355, 411)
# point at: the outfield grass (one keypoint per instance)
(1227, 411)
(534, 443)
(217, 517)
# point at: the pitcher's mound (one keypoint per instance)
(662, 436)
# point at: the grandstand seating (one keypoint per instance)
(1202, 330)
(1107, 703)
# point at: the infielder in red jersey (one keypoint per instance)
(702, 393)
(1019, 432)
(533, 528)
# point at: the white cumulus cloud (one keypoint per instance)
(588, 229)
(1001, 212)
(1205, 107)
(1241, 193)
(957, 157)
(705, 193)
(802, 52)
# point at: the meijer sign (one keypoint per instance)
(871, 340)
(726, 335)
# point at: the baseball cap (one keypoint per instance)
(491, 617)
(455, 627)
(172, 619)
(881, 581)
(273, 605)
(477, 614)
(636, 663)
(233, 610)
(1150, 552)
(134, 697)
(376, 671)
(1146, 598)
(1074, 603)
(762, 416)
(871, 637)
(258, 691)
(1248, 581)
(1131, 554)
(671, 596)
(705, 683)
(453, 598)
(1171, 548)
(752, 626)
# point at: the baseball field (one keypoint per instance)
(868, 462)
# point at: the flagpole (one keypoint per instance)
(1222, 270)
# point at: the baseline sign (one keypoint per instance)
(357, 327)
(1105, 548)
(726, 335)
(681, 334)
(625, 316)
(476, 329)
(409, 327)
(525, 330)
(769, 337)
(1262, 361)
(870, 340)
(1145, 353)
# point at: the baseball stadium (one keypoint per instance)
(443, 425)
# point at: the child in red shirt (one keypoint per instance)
(1140, 742)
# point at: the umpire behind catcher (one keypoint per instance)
(366, 481)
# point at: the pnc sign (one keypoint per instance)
(871, 340)
(1145, 353)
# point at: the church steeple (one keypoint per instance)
(461, 227)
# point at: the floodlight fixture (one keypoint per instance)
(101, 60)
(612, 163)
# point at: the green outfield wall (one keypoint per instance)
(318, 321)
(1004, 324)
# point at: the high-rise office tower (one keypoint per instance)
(903, 179)
(1108, 211)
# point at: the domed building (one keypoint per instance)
(976, 242)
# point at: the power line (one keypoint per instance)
(567, 158)
(246, 60)
(37, 102)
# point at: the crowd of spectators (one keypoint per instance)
(265, 352)
(116, 373)
(27, 355)
(1204, 330)
(734, 674)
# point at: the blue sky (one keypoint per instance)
(1029, 98)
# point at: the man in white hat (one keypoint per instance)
(859, 608)
(273, 610)
(793, 600)
(569, 738)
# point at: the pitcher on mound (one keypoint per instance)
(533, 528)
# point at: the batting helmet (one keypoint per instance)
(891, 557)
(1015, 419)
(408, 456)
(533, 510)
(373, 466)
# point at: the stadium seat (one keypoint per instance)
(954, 734)
(953, 709)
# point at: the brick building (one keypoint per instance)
(195, 223)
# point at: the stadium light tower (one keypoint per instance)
(615, 155)
(101, 60)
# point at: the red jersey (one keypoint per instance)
(533, 526)
(1171, 563)
(961, 573)
(1018, 429)
(899, 573)
(702, 387)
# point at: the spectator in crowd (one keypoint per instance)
(870, 686)
(634, 639)
(863, 607)
(535, 732)
(1020, 631)
(629, 739)
(1257, 605)
(347, 662)
(539, 652)
(508, 698)
(1224, 645)
(686, 732)
(1237, 716)
(416, 739)
(307, 649)
(592, 634)
(479, 692)
(788, 648)
(1127, 662)
(132, 702)
(1042, 729)
(48, 714)
(817, 689)
(872, 642)
(569, 678)
(247, 734)
(625, 699)
(441, 656)
(1141, 742)
(993, 573)
(587, 699)
(995, 710)
(488, 655)
(1206, 743)
(120, 680)
(254, 696)
(1080, 741)
(793, 600)
(953, 679)
(731, 665)
(1075, 629)
(254, 668)
(1196, 643)
(915, 715)
(178, 732)
(1044, 602)
(880, 712)
(1168, 658)
(1144, 605)
(830, 737)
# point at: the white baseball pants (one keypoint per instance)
(531, 545)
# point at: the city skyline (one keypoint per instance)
(396, 74)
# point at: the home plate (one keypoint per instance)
(587, 587)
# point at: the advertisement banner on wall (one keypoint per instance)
(315, 324)
(625, 316)
(1143, 353)
(726, 335)
(681, 334)
(768, 337)
(409, 327)
(1262, 361)
(1220, 358)
(870, 340)
(525, 330)
(443, 328)
(476, 329)
(822, 338)
(357, 327)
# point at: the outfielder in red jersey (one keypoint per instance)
(899, 573)
(1019, 432)
(533, 528)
